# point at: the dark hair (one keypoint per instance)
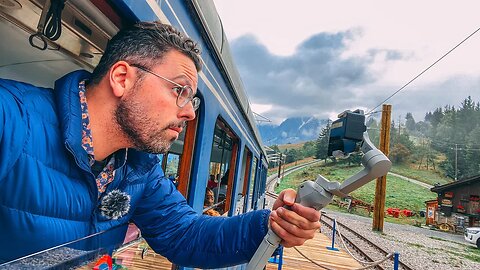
(224, 180)
(145, 43)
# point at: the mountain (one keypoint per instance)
(292, 130)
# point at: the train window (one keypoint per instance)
(172, 166)
(222, 166)
(177, 162)
(252, 184)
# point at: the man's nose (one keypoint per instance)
(187, 112)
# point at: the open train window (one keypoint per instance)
(177, 162)
(222, 166)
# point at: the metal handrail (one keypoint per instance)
(214, 206)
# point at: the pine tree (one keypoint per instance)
(322, 142)
(409, 122)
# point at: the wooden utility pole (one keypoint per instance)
(380, 190)
(279, 176)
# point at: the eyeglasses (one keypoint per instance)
(185, 93)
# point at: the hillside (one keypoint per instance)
(287, 146)
(400, 193)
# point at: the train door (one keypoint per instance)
(222, 168)
(177, 162)
(251, 190)
(242, 186)
(263, 184)
(259, 185)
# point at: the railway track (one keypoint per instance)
(273, 179)
(371, 252)
(353, 239)
(358, 243)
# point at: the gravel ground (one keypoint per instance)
(419, 248)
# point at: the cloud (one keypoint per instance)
(315, 80)
(322, 77)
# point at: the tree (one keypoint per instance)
(309, 149)
(275, 148)
(292, 156)
(403, 139)
(423, 127)
(409, 122)
(322, 142)
(399, 153)
(434, 118)
(472, 155)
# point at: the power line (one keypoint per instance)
(370, 112)
(447, 143)
(425, 70)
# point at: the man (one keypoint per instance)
(75, 161)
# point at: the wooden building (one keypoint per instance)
(459, 200)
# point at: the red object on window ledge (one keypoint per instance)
(104, 263)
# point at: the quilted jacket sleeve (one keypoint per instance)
(172, 228)
(12, 125)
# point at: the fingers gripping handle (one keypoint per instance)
(309, 194)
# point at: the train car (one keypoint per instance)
(222, 145)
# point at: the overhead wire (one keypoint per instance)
(451, 145)
(425, 70)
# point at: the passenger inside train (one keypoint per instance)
(208, 203)
(221, 191)
(211, 182)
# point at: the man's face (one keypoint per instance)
(148, 113)
(209, 198)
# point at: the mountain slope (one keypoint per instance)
(292, 130)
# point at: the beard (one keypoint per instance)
(144, 132)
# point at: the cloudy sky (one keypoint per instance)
(299, 58)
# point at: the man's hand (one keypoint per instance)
(294, 226)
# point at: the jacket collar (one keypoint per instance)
(70, 114)
(70, 117)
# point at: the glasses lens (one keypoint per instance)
(195, 103)
(185, 95)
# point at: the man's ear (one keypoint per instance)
(121, 77)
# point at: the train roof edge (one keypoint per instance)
(213, 28)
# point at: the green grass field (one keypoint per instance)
(400, 193)
(427, 176)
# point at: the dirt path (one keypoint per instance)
(412, 180)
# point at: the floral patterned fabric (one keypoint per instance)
(108, 172)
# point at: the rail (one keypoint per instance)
(357, 247)
(272, 178)
(373, 261)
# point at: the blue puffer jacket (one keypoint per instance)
(48, 194)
